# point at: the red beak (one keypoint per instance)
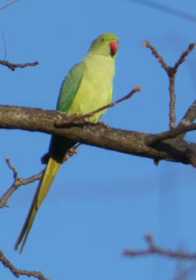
(113, 47)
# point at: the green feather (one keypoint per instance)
(70, 87)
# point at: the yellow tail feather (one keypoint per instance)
(43, 189)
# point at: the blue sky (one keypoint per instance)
(102, 202)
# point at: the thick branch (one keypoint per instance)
(129, 142)
(20, 272)
(154, 249)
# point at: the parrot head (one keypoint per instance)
(106, 44)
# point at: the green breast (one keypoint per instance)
(95, 88)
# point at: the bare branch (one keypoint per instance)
(130, 142)
(12, 168)
(157, 55)
(20, 272)
(175, 132)
(17, 183)
(184, 56)
(190, 115)
(153, 249)
(13, 66)
(171, 73)
(82, 119)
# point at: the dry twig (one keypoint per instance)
(13, 66)
(171, 72)
(17, 183)
(19, 272)
(190, 115)
(154, 249)
(174, 133)
(185, 125)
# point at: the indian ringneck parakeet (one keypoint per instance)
(87, 87)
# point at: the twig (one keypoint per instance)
(154, 249)
(19, 272)
(184, 126)
(184, 56)
(77, 120)
(179, 130)
(157, 55)
(13, 66)
(190, 115)
(171, 73)
(17, 182)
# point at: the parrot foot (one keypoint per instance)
(71, 152)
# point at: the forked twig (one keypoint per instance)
(19, 272)
(171, 73)
(17, 183)
(153, 249)
(179, 130)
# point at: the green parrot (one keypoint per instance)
(87, 87)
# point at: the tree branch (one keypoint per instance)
(181, 129)
(12, 66)
(17, 183)
(190, 115)
(171, 72)
(129, 142)
(153, 249)
(20, 272)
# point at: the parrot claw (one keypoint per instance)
(71, 152)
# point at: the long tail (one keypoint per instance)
(43, 188)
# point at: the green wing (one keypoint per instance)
(70, 86)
